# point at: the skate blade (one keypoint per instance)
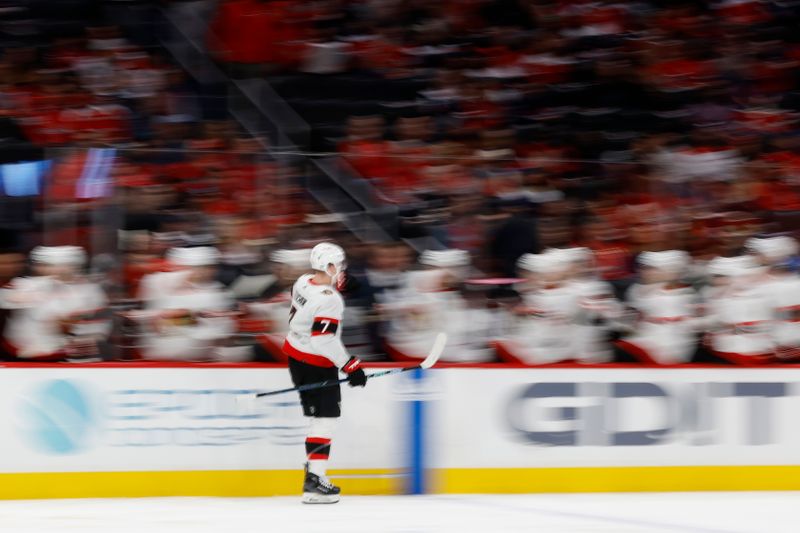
(311, 497)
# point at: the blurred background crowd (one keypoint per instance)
(548, 181)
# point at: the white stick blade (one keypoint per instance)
(436, 351)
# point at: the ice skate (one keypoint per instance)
(317, 489)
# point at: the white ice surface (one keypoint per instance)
(740, 512)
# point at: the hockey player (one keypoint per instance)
(782, 289)
(665, 332)
(545, 331)
(316, 353)
(432, 302)
(739, 312)
(187, 313)
(599, 312)
(55, 313)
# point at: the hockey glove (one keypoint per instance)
(355, 374)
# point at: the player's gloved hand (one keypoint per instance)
(355, 374)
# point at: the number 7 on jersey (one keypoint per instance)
(324, 325)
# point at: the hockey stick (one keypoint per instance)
(433, 356)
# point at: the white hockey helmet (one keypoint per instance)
(59, 255)
(450, 258)
(293, 258)
(755, 245)
(327, 253)
(548, 262)
(674, 261)
(194, 257)
(527, 262)
(773, 249)
(734, 267)
(787, 245)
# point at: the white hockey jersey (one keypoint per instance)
(668, 321)
(546, 333)
(47, 313)
(420, 312)
(598, 312)
(192, 335)
(783, 292)
(315, 332)
(741, 321)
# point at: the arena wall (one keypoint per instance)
(115, 429)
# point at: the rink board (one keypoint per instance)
(99, 431)
(616, 429)
(94, 432)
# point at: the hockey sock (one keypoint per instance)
(318, 444)
(317, 452)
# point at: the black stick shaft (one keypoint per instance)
(332, 382)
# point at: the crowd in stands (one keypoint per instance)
(641, 125)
